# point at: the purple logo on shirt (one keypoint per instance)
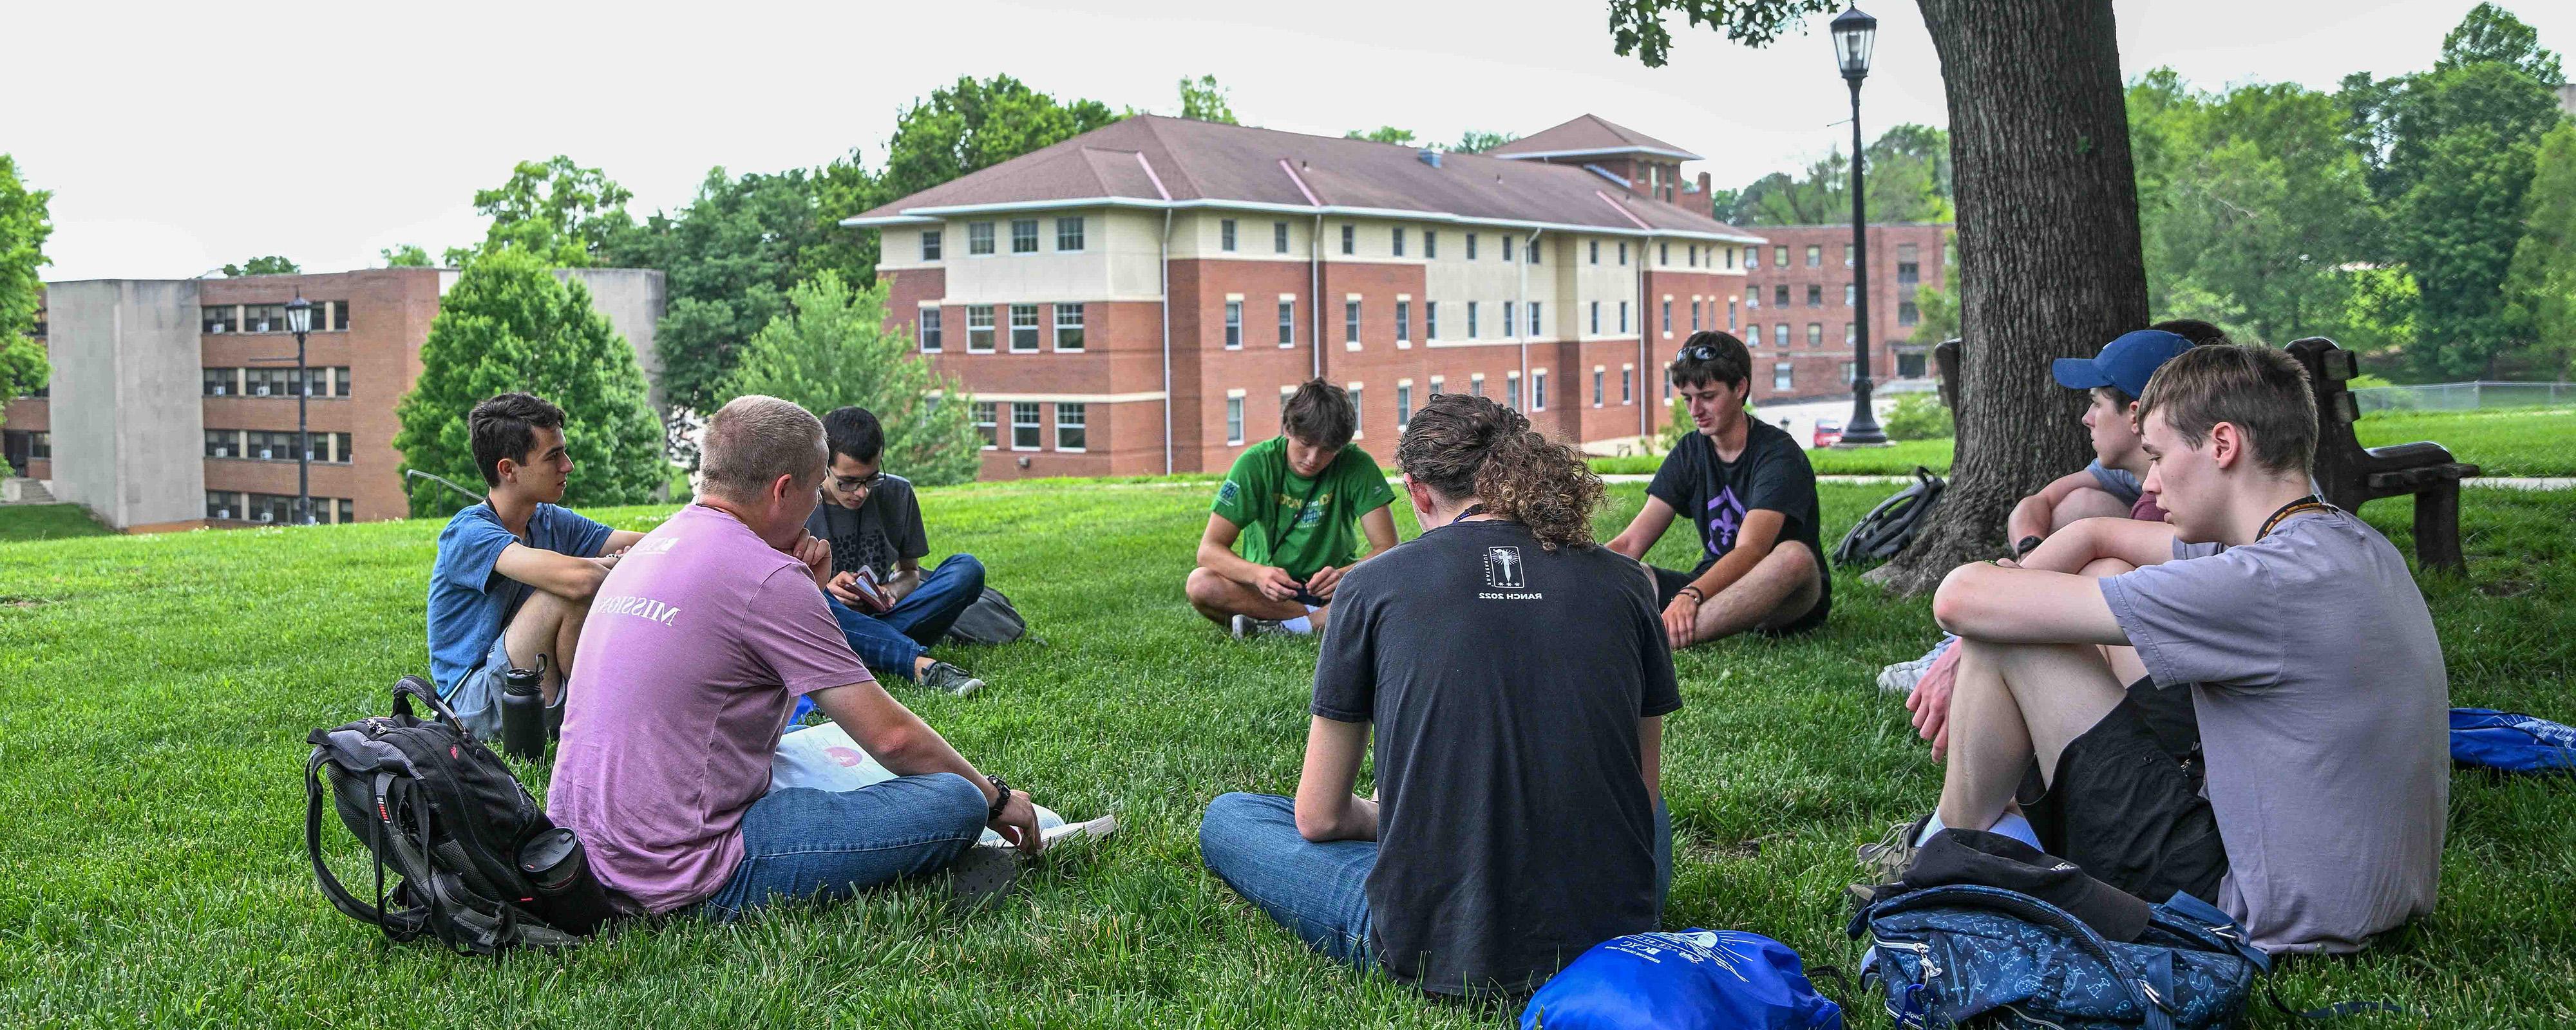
(1725, 516)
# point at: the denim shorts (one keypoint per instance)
(477, 697)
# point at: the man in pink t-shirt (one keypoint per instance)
(698, 645)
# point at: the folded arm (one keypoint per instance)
(2036, 514)
(1326, 807)
(565, 576)
(2005, 604)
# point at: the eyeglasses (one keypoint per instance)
(848, 484)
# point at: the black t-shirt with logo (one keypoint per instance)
(1505, 682)
(1772, 474)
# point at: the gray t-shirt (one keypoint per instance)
(2324, 718)
(2119, 483)
(884, 531)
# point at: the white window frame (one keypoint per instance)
(1784, 376)
(1081, 420)
(1476, 380)
(1032, 225)
(1350, 238)
(1225, 235)
(1430, 320)
(1511, 323)
(1538, 389)
(1034, 329)
(1403, 320)
(1279, 237)
(1535, 320)
(1359, 413)
(1403, 404)
(1351, 323)
(1234, 418)
(1627, 385)
(1079, 236)
(1234, 322)
(1599, 375)
(985, 312)
(1471, 309)
(1396, 236)
(1036, 428)
(1287, 320)
(1668, 317)
(930, 329)
(1512, 390)
(1438, 383)
(931, 248)
(1078, 325)
(980, 241)
(1430, 244)
(987, 416)
(1596, 318)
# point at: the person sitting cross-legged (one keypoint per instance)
(703, 638)
(873, 520)
(2314, 814)
(1292, 501)
(1749, 489)
(1517, 678)
(514, 575)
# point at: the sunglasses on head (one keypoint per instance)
(1701, 352)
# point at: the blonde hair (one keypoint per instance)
(2262, 392)
(755, 439)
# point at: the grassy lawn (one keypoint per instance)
(46, 522)
(2503, 442)
(159, 689)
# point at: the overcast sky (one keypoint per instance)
(176, 141)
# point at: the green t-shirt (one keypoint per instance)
(1313, 521)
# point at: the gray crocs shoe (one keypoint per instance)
(983, 876)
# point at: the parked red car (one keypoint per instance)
(1828, 433)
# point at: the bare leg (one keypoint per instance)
(550, 626)
(2126, 667)
(2086, 503)
(1221, 599)
(1782, 587)
(2013, 703)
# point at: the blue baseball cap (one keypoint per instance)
(2126, 363)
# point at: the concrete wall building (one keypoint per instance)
(1799, 314)
(170, 409)
(1140, 298)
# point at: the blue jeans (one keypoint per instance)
(1320, 891)
(891, 642)
(801, 843)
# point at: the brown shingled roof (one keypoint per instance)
(1149, 160)
(1589, 134)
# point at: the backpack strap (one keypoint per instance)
(409, 687)
(2338, 1010)
(331, 888)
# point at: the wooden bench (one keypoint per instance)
(2349, 474)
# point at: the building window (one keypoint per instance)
(979, 329)
(979, 238)
(1533, 249)
(1476, 381)
(1507, 249)
(1403, 406)
(1359, 412)
(1233, 421)
(1068, 234)
(1815, 334)
(1234, 325)
(340, 316)
(268, 382)
(1753, 296)
(1694, 255)
(985, 413)
(1780, 256)
(1597, 375)
(1907, 313)
(1780, 295)
(1753, 335)
(1430, 244)
(1623, 252)
(1849, 333)
(1509, 326)
(1815, 295)
(1815, 255)
(1279, 237)
(1512, 390)
(340, 447)
(1668, 317)
(348, 510)
(223, 443)
(225, 505)
(1623, 315)
(1403, 321)
(222, 318)
(1752, 258)
(1430, 314)
(263, 318)
(1287, 323)
(1850, 373)
(1397, 234)
(1068, 327)
(1024, 236)
(930, 342)
(1350, 239)
(1024, 425)
(1730, 256)
(264, 446)
(1694, 315)
(1351, 322)
(930, 244)
(1534, 319)
(1730, 311)
(1595, 248)
(223, 382)
(1627, 386)
(1538, 390)
(1851, 294)
(1909, 271)
(1780, 335)
(1225, 236)
(1783, 375)
(1024, 328)
(1471, 248)
(1664, 254)
(1596, 318)
(1471, 313)
(1436, 382)
(1847, 255)
(1069, 424)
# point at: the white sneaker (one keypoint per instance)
(1246, 627)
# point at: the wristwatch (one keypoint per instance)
(2022, 550)
(1001, 797)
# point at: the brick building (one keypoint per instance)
(1799, 315)
(168, 410)
(1139, 298)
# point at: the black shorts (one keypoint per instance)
(1669, 584)
(2128, 809)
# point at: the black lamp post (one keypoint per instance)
(299, 320)
(1854, 34)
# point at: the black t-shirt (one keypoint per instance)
(885, 530)
(1506, 682)
(1771, 474)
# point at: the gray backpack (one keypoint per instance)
(990, 620)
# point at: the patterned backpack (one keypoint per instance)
(1967, 954)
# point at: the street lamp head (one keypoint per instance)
(1854, 35)
(299, 314)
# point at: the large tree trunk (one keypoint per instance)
(2048, 252)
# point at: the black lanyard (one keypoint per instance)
(2305, 504)
(1279, 534)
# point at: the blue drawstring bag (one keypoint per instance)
(1693, 980)
(2489, 739)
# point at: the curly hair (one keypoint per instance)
(1464, 446)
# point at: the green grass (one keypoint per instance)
(158, 690)
(47, 522)
(2503, 442)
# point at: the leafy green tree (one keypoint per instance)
(1477, 141)
(270, 265)
(1919, 416)
(509, 324)
(1907, 177)
(1937, 315)
(728, 259)
(2540, 286)
(833, 347)
(976, 124)
(24, 226)
(1204, 100)
(2491, 33)
(2468, 139)
(1382, 134)
(566, 215)
(409, 255)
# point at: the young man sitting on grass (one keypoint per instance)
(2315, 816)
(514, 575)
(1747, 486)
(1517, 679)
(707, 633)
(873, 521)
(1298, 494)
(2110, 486)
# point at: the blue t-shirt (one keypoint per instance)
(470, 601)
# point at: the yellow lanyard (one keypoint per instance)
(2305, 504)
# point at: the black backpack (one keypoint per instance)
(476, 863)
(1879, 535)
(990, 620)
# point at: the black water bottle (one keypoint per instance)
(523, 712)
